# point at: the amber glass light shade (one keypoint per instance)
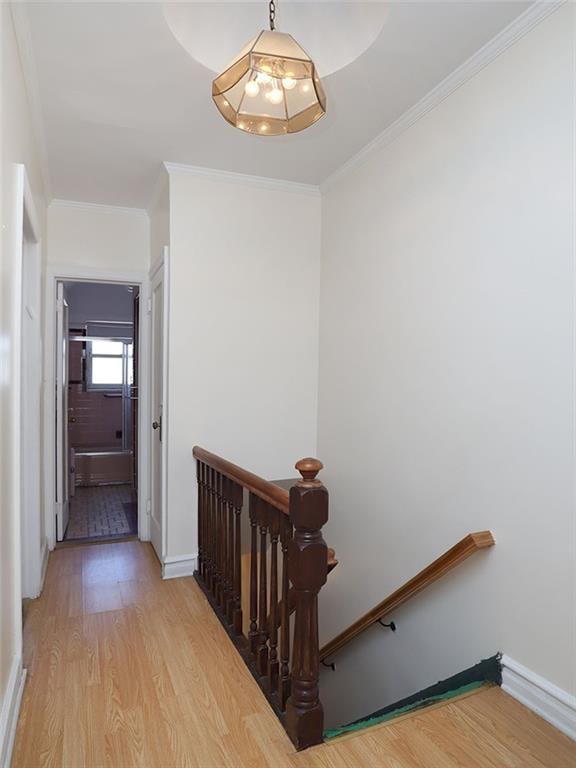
(271, 88)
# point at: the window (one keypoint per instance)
(109, 364)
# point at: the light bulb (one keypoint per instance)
(275, 96)
(251, 88)
(263, 127)
(288, 83)
(305, 87)
(263, 78)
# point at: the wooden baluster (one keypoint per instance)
(216, 533)
(223, 541)
(203, 522)
(307, 568)
(220, 586)
(221, 556)
(205, 494)
(237, 497)
(284, 681)
(262, 647)
(273, 663)
(229, 513)
(214, 501)
(199, 515)
(253, 633)
(208, 509)
(206, 497)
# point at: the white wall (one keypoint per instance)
(96, 301)
(159, 214)
(446, 381)
(98, 237)
(243, 340)
(17, 145)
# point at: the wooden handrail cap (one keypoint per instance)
(309, 468)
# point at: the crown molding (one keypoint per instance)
(57, 203)
(30, 74)
(535, 14)
(260, 182)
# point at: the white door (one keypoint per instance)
(159, 309)
(62, 503)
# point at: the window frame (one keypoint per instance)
(107, 387)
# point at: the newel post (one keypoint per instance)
(307, 569)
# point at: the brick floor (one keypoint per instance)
(99, 512)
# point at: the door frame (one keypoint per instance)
(62, 487)
(30, 560)
(162, 262)
(34, 550)
(56, 273)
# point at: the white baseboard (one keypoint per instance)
(538, 694)
(175, 566)
(10, 708)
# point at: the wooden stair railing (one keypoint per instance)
(446, 562)
(332, 563)
(286, 546)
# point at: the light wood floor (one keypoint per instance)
(125, 669)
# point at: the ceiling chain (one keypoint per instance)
(272, 13)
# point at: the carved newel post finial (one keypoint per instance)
(309, 468)
(307, 568)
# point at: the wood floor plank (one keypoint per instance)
(128, 671)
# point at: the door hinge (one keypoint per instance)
(149, 507)
(149, 305)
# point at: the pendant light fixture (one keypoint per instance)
(272, 87)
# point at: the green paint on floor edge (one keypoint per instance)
(426, 702)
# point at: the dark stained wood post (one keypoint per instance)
(237, 501)
(262, 642)
(222, 540)
(211, 529)
(200, 518)
(217, 535)
(229, 594)
(273, 663)
(253, 632)
(307, 568)
(284, 683)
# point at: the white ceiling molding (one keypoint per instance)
(262, 182)
(466, 71)
(29, 71)
(56, 203)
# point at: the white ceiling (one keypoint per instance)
(119, 95)
(337, 31)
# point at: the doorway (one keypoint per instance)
(97, 342)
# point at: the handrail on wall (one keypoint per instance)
(446, 562)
